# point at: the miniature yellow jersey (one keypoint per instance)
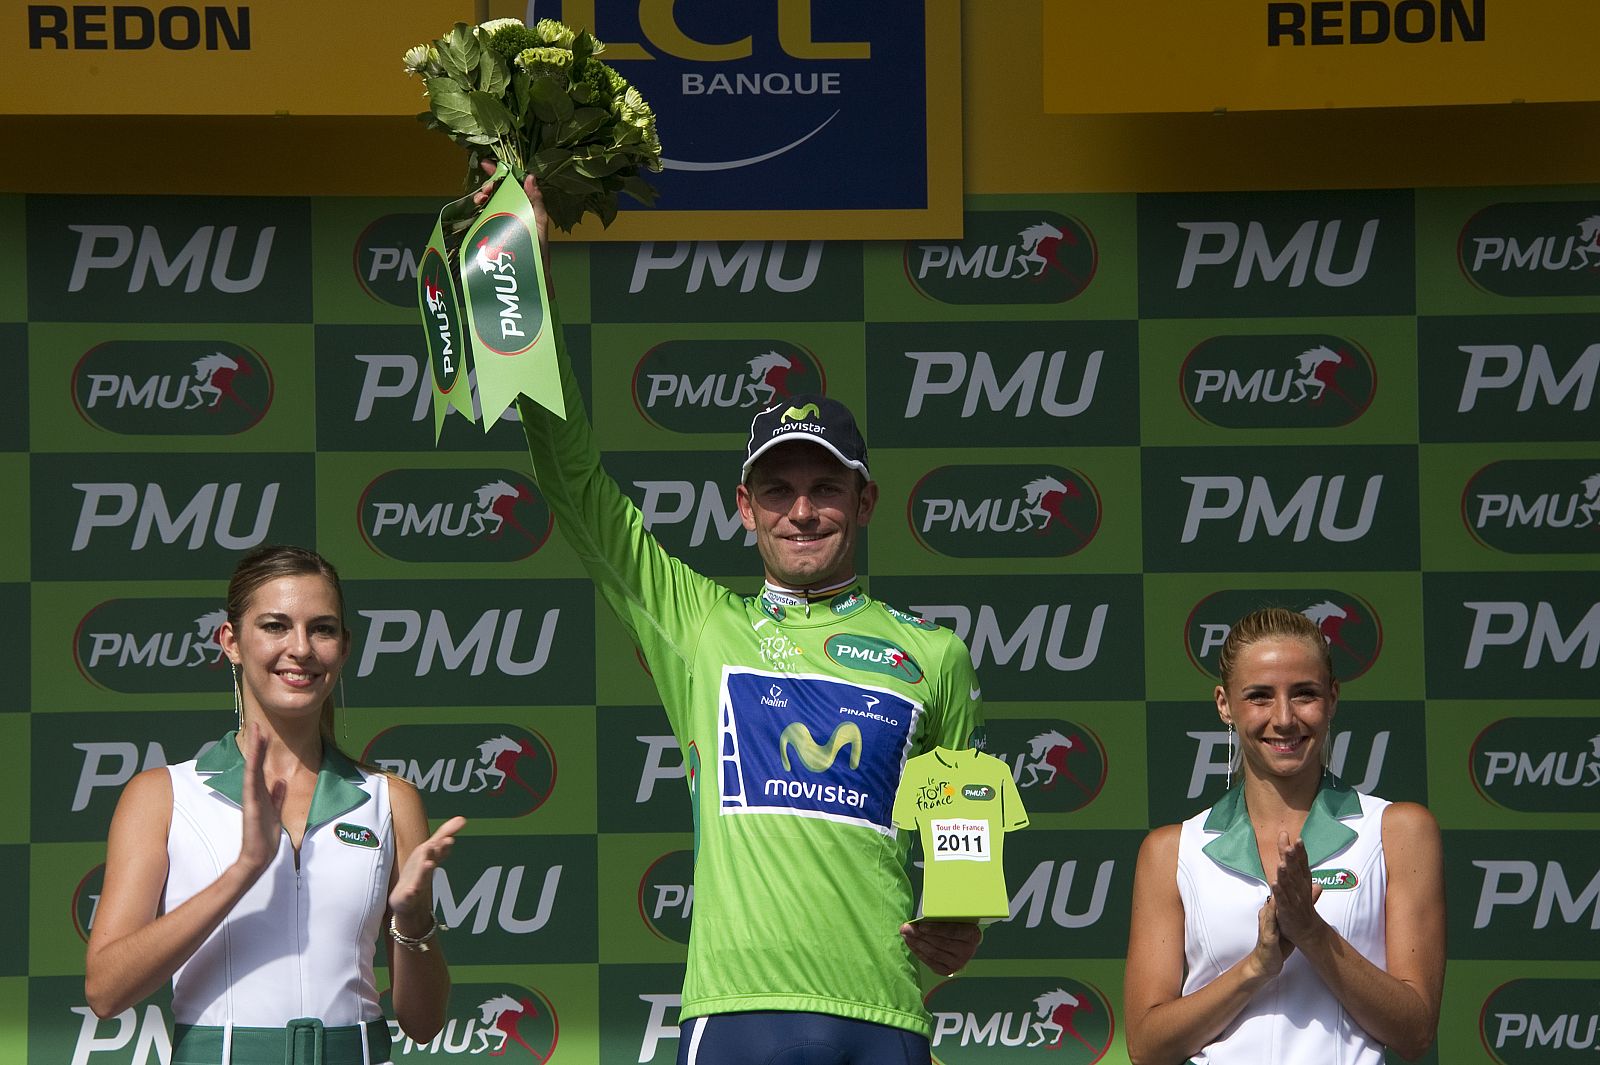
(963, 803)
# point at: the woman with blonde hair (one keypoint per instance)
(257, 877)
(1296, 920)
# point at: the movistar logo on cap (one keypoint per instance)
(356, 835)
(800, 414)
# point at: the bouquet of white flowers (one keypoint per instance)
(537, 99)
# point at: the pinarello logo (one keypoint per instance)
(1348, 622)
(666, 896)
(384, 257)
(1006, 257)
(1533, 249)
(1540, 1021)
(1004, 511)
(461, 515)
(717, 386)
(1267, 382)
(152, 645)
(479, 769)
(986, 1020)
(86, 900)
(1535, 506)
(172, 387)
(1538, 764)
(1059, 765)
(503, 1021)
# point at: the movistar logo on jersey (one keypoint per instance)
(1335, 879)
(356, 835)
(813, 755)
(874, 656)
(977, 792)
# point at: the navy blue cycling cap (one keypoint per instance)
(818, 419)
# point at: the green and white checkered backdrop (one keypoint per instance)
(1105, 426)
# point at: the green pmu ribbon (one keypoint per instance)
(513, 333)
(439, 300)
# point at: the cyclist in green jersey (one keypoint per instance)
(796, 709)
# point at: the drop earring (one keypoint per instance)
(1231, 751)
(238, 699)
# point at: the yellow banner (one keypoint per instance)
(267, 57)
(1160, 55)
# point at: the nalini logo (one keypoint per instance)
(356, 835)
(1258, 382)
(152, 645)
(172, 387)
(1541, 1021)
(1348, 622)
(1535, 506)
(507, 1022)
(480, 770)
(384, 259)
(1059, 766)
(985, 1020)
(1004, 511)
(708, 386)
(1533, 249)
(1539, 764)
(875, 656)
(1006, 257)
(666, 896)
(466, 515)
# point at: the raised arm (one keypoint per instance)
(133, 949)
(1165, 1026)
(419, 976)
(1398, 1007)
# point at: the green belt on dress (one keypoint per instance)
(303, 1041)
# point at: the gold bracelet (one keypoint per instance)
(415, 944)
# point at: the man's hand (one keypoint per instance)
(943, 946)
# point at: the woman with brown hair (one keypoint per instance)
(257, 877)
(1296, 920)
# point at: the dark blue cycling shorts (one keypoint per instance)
(781, 1037)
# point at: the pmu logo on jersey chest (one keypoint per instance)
(716, 386)
(1006, 257)
(1535, 506)
(1533, 249)
(172, 387)
(1004, 511)
(467, 515)
(1281, 381)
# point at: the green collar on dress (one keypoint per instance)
(1324, 832)
(338, 781)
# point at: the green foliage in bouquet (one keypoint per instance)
(538, 100)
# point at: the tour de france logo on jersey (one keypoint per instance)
(810, 746)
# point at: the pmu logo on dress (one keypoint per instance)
(1535, 506)
(483, 515)
(1006, 257)
(1004, 511)
(476, 770)
(1278, 381)
(1348, 622)
(172, 387)
(1533, 248)
(990, 1019)
(717, 385)
(1539, 764)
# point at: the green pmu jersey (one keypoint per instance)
(795, 724)
(963, 803)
